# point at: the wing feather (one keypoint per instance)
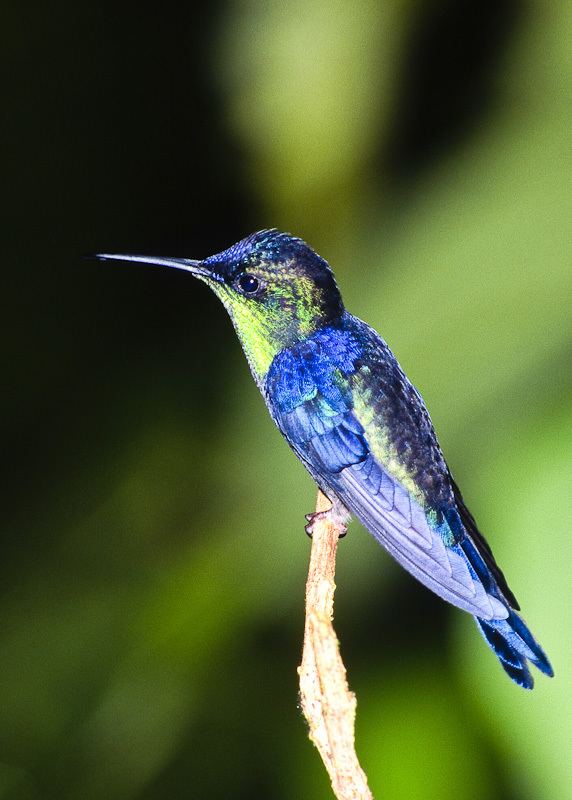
(310, 397)
(419, 549)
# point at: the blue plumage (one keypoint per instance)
(311, 392)
(345, 406)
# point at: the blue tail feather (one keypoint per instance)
(520, 675)
(510, 639)
(513, 644)
(499, 644)
(539, 657)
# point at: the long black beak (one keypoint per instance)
(187, 264)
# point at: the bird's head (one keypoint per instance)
(277, 290)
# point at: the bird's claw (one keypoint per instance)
(316, 516)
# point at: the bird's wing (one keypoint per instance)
(308, 390)
(401, 525)
(483, 546)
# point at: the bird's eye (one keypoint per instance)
(248, 284)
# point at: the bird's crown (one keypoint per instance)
(275, 251)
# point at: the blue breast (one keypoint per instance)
(318, 364)
(310, 398)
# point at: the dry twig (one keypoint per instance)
(326, 700)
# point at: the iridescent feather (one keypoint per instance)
(345, 406)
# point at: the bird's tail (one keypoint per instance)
(513, 643)
(510, 639)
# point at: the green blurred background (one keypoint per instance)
(154, 556)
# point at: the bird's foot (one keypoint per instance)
(337, 515)
(314, 517)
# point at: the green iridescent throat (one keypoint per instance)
(289, 311)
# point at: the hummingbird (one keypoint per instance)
(362, 430)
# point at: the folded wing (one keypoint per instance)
(309, 394)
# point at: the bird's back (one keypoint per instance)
(362, 430)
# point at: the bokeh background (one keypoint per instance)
(153, 553)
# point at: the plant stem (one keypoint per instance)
(327, 703)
